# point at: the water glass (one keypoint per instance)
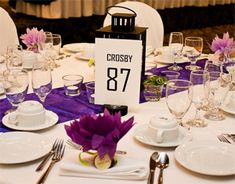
(176, 47)
(41, 80)
(199, 79)
(72, 84)
(179, 97)
(90, 91)
(217, 89)
(16, 85)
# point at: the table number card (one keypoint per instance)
(117, 71)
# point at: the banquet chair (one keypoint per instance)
(8, 32)
(146, 17)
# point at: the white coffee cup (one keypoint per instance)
(30, 113)
(162, 129)
(231, 103)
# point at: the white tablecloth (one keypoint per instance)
(79, 8)
(175, 173)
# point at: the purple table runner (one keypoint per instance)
(69, 108)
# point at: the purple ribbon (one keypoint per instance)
(69, 108)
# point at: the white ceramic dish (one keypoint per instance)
(76, 47)
(141, 134)
(51, 119)
(207, 157)
(79, 56)
(162, 59)
(227, 109)
(21, 147)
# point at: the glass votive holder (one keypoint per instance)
(72, 84)
(170, 75)
(152, 93)
(90, 90)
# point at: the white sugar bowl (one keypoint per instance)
(30, 113)
(162, 129)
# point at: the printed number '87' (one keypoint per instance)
(112, 83)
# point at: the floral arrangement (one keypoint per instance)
(99, 133)
(222, 47)
(155, 80)
(33, 38)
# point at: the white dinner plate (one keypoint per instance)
(21, 147)
(207, 157)
(141, 134)
(76, 47)
(79, 56)
(51, 119)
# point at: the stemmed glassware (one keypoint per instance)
(176, 46)
(16, 85)
(41, 80)
(193, 49)
(199, 79)
(179, 97)
(217, 90)
(14, 60)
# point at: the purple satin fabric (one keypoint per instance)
(69, 108)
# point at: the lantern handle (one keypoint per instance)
(107, 9)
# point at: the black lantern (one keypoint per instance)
(123, 27)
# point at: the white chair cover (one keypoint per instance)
(146, 17)
(8, 32)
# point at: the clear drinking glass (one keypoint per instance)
(217, 89)
(179, 97)
(199, 79)
(16, 85)
(41, 80)
(193, 49)
(14, 57)
(176, 46)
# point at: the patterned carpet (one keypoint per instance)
(83, 29)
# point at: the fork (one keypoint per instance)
(59, 152)
(222, 138)
(43, 163)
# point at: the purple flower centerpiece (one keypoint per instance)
(222, 47)
(99, 133)
(33, 38)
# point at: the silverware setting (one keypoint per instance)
(79, 147)
(57, 156)
(227, 138)
(48, 156)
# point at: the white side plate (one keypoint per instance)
(207, 157)
(20, 147)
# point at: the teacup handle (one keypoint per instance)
(159, 136)
(13, 119)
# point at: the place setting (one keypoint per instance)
(162, 132)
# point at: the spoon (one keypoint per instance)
(152, 166)
(162, 162)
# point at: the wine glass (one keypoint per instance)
(179, 97)
(16, 85)
(55, 50)
(199, 79)
(176, 46)
(193, 49)
(14, 59)
(217, 89)
(41, 80)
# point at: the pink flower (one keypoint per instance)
(33, 38)
(224, 46)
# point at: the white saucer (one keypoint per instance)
(207, 157)
(51, 119)
(162, 59)
(227, 109)
(76, 47)
(141, 135)
(20, 147)
(79, 56)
